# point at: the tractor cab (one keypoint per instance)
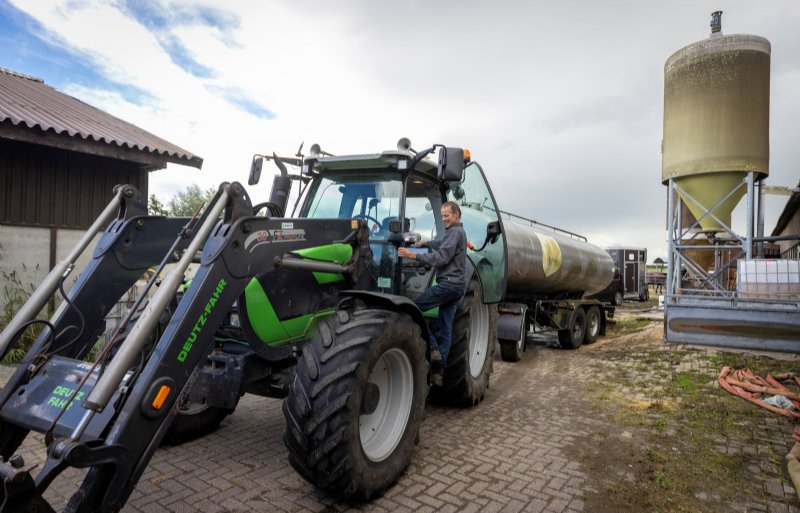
(402, 184)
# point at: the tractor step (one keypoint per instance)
(36, 404)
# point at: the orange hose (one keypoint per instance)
(747, 385)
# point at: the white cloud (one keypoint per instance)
(560, 102)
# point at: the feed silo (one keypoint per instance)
(716, 121)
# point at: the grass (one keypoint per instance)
(628, 324)
(693, 436)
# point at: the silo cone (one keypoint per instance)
(716, 121)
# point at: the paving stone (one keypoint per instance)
(509, 453)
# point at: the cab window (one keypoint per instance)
(372, 196)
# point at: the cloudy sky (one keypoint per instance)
(560, 102)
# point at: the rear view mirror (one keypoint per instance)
(255, 170)
(451, 164)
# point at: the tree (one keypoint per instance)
(185, 203)
(155, 207)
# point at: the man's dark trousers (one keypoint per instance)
(445, 296)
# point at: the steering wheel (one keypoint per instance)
(370, 218)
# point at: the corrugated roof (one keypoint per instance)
(789, 211)
(28, 102)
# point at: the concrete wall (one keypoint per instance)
(25, 251)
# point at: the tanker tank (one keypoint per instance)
(543, 263)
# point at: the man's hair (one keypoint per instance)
(453, 206)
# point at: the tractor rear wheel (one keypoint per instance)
(469, 363)
(572, 337)
(356, 404)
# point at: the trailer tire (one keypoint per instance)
(592, 324)
(618, 298)
(511, 350)
(356, 403)
(193, 421)
(469, 363)
(572, 337)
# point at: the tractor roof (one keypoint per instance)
(392, 159)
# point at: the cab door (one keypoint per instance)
(478, 209)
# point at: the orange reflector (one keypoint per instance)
(161, 397)
(467, 155)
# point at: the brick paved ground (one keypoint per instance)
(511, 453)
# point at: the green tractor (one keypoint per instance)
(316, 309)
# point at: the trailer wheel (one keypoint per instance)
(469, 363)
(618, 297)
(572, 337)
(354, 409)
(592, 324)
(511, 350)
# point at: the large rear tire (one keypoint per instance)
(354, 409)
(469, 363)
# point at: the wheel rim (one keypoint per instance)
(478, 336)
(383, 428)
(593, 324)
(577, 332)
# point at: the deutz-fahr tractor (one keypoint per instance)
(316, 309)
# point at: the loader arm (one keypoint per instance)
(125, 415)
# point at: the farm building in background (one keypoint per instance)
(789, 224)
(59, 162)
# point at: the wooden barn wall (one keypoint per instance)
(43, 186)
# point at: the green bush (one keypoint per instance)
(15, 293)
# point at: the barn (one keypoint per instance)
(60, 159)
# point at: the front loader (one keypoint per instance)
(317, 309)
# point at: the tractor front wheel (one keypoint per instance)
(194, 420)
(355, 407)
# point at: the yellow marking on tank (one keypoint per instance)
(551, 254)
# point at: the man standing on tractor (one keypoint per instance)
(448, 256)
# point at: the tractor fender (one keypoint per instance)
(389, 302)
